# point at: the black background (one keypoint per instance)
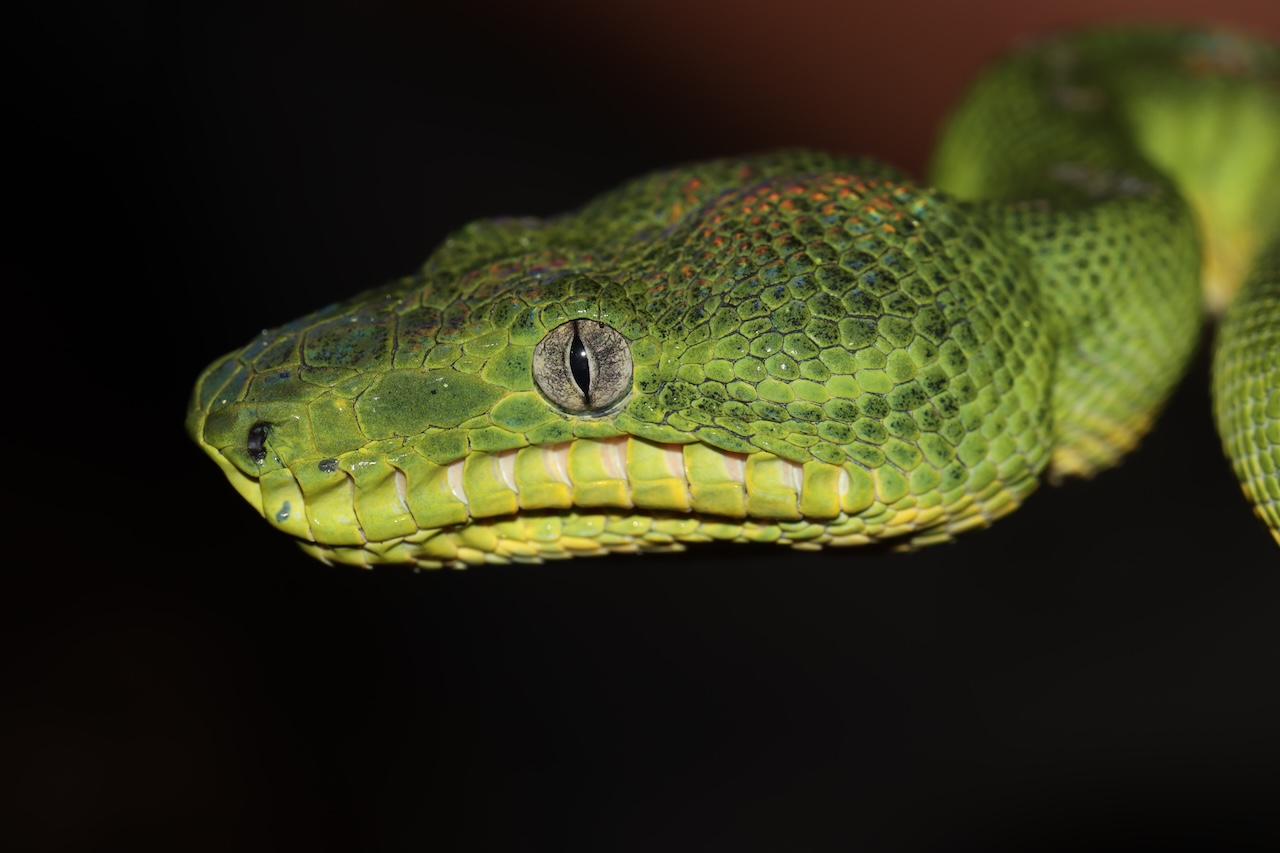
(1099, 668)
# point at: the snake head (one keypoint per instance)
(788, 348)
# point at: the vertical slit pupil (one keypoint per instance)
(579, 365)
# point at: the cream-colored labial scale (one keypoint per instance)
(629, 495)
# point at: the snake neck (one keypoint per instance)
(1095, 148)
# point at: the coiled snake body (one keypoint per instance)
(799, 348)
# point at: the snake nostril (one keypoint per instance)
(254, 444)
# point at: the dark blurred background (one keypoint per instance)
(1099, 669)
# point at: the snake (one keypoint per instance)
(800, 348)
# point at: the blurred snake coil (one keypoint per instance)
(799, 348)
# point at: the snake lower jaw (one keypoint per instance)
(592, 497)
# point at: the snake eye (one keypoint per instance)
(583, 366)
(254, 444)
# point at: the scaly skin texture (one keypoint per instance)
(1246, 387)
(821, 351)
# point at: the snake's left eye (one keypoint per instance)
(583, 366)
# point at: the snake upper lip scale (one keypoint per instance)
(799, 348)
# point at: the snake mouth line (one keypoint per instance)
(596, 496)
(670, 466)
